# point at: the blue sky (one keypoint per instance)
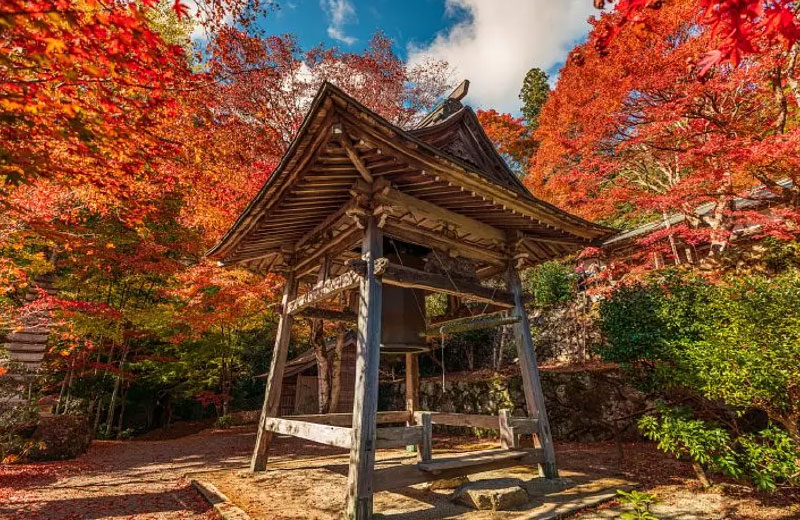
(403, 21)
(490, 42)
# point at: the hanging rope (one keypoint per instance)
(443, 371)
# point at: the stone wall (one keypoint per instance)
(565, 333)
(582, 406)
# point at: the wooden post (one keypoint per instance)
(272, 396)
(365, 401)
(412, 390)
(531, 381)
(426, 448)
(508, 437)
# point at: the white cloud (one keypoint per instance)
(501, 40)
(340, 13)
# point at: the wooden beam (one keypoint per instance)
(353, 154)
(427, 237)
(489, 422)
(322, 433)
(398, 436)
(426, 210)
(272, 396)
(345, 240)
(409, 277)
(331, 222)
(325, 291)
(346, 418)
(531, 381)
(328, 314)
(358, 502)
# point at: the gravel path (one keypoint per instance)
(123, 480)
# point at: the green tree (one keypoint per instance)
(534, 93)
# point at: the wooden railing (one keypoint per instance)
(334, 429)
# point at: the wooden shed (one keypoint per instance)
(300, 389)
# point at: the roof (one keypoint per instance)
(450, 163)
(757, 197)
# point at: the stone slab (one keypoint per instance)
(499, 494)
(226, 509)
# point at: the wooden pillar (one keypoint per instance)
(365, 402)
(412, 391)
(412, 384)
(531, 381)
(272, 396)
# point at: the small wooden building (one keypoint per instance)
(364, 219)
(300, 389)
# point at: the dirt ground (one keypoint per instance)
(136, 480)
(312, 486)
(149, 480)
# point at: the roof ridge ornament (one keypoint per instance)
(447, 107)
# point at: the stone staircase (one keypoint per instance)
(25, 348)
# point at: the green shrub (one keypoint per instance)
(640, 502)
(644, 325)
(550, 283)
(769, 458)
(747, 351)
(706, 444)
(226, 421)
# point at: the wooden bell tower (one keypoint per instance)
(358, 205)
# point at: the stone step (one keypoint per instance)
(27, 337)
(22, 369)
(25, 347)
(25, 357)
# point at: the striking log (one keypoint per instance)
(482, 321)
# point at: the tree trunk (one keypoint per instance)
(113, 403)
(98, 413)
(701, 474)
(122, 409)
(336, 369)
(790, 423)
(323, 367)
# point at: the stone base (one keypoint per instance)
(495, 494)
(447, 483)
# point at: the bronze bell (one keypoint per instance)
(403, 311)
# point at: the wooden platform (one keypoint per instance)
(456, 466)
(470, 460)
